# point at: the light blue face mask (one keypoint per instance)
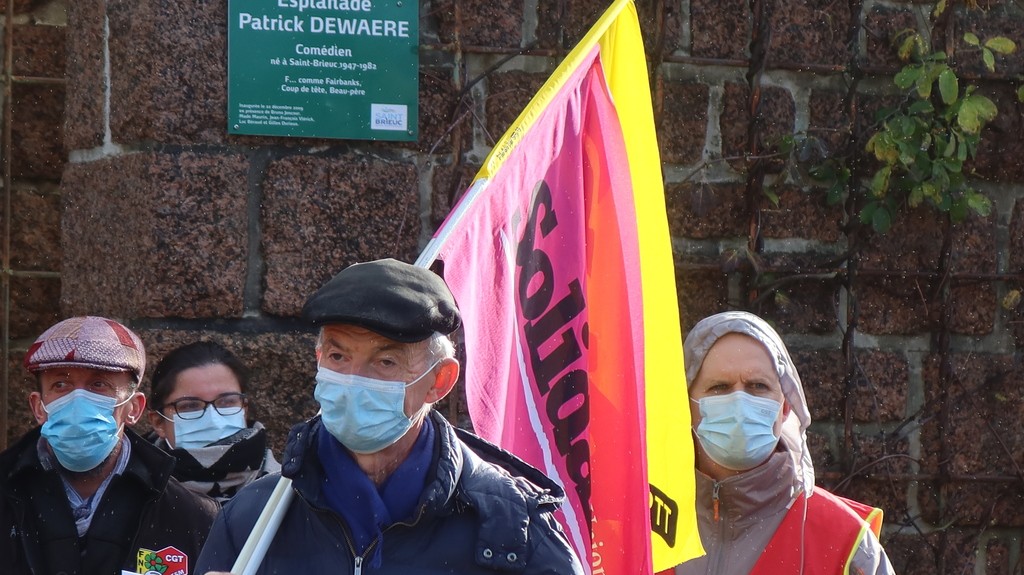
(81, 429)
(364, 414)
(737, 430)
(211, 427)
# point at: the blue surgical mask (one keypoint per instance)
(81, 429)
(211, 427)
(737, 430)
(364, 414)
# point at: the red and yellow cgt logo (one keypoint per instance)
(167, 561)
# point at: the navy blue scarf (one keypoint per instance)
(367, 509)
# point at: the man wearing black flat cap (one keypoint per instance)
(382, 482)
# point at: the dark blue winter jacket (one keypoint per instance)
(482, 511)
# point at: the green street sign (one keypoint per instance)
(324, 68)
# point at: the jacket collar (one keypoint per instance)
(302, 466)
(752, 495)
(148, 464)
(466, 472)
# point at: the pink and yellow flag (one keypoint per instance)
(560, 260)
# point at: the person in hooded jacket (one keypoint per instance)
(200, 415)
(758, 510)
(382, 483)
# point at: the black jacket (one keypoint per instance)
(482, 511)
(142, 509)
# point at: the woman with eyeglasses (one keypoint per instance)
(200, 416)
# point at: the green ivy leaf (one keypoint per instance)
(880, 181)
(909, 47)
(989, 59)
(881, 220)
(940, 7)
(882, 146)
(1020, 94)
(916, 196)
(904, 126)
(921, 107)
(949, 86)
(928, 190)
(961, 151)
(957, 181)
(968, 120)
(908, 151)
(922, 167)
(822, 173)
(883, 114)
(925, 142)
(948, 148)
(772, 196)
(924, 85)
(972, 143)
(975, 110)
(940, 176)
(906, 77)
(972, 39)
(835, 194)
(1001, 44)
(872, 144)
(979, 203)
(786, 144)
(867, 212)
(958, 210)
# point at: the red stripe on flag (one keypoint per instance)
(618, 417)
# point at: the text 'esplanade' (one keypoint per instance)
(339, 5)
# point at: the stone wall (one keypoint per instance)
(33, 260)
(908, 355)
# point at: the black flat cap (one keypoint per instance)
(400, 301)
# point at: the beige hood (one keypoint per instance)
(794, 428)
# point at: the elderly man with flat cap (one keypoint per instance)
(82, 494)
(384, 484)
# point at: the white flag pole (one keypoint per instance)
(263, 531)
(429, 253)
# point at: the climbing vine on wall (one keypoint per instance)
(922, 144)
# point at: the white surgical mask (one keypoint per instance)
(210, 428)
(737, 430)
(81, 429)
(364, 414)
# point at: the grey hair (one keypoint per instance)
(439, 345)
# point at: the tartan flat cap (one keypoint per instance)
(89, 342)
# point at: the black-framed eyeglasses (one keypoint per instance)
(194, 408)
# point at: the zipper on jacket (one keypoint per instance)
(714, 499)
(376, 540)
(715, 563)
(358, 559)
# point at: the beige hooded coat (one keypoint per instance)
(753, 503)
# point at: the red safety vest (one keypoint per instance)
(834, 528)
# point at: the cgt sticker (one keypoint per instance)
(167, 561)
